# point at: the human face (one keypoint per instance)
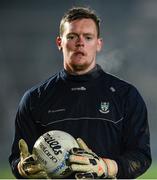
(79, 44)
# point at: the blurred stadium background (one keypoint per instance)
(28, 54)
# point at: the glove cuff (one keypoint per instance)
(103, 168)
(112, 168)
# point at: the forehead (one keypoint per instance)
(80, 26)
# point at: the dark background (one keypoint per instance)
(28, 53)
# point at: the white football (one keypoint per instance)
(52, 151)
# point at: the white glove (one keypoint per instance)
(28, 166)
(88, 165)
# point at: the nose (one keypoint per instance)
(80, 41)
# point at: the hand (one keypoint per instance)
(89, 165)
(28, 166)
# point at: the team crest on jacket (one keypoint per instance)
(104, 108)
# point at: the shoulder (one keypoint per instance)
(33, 96)
(125, 93)
(120, 87)
(113, 81)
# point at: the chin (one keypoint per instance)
(80, 67)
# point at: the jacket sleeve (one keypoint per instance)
(136, 156)
(25, 129)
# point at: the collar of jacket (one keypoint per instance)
(92, 74)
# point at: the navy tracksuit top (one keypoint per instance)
(106, 112)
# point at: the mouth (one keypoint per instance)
(79, 53)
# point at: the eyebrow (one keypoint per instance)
(86, 34)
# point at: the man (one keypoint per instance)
(108, 114)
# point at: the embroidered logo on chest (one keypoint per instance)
(104, 107)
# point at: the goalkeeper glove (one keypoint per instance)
(88, 165)
(28, 166)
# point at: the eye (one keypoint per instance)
(71, 37)
(88, 38)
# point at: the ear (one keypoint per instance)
(99, 44)
(59, 42)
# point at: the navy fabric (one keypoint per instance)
(107, 113)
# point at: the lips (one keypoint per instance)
(79, 53)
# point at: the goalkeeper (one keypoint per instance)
(107, 114)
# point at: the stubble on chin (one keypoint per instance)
(80, 68)
(74, 67)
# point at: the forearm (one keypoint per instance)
(135, 157)
(132, 165)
